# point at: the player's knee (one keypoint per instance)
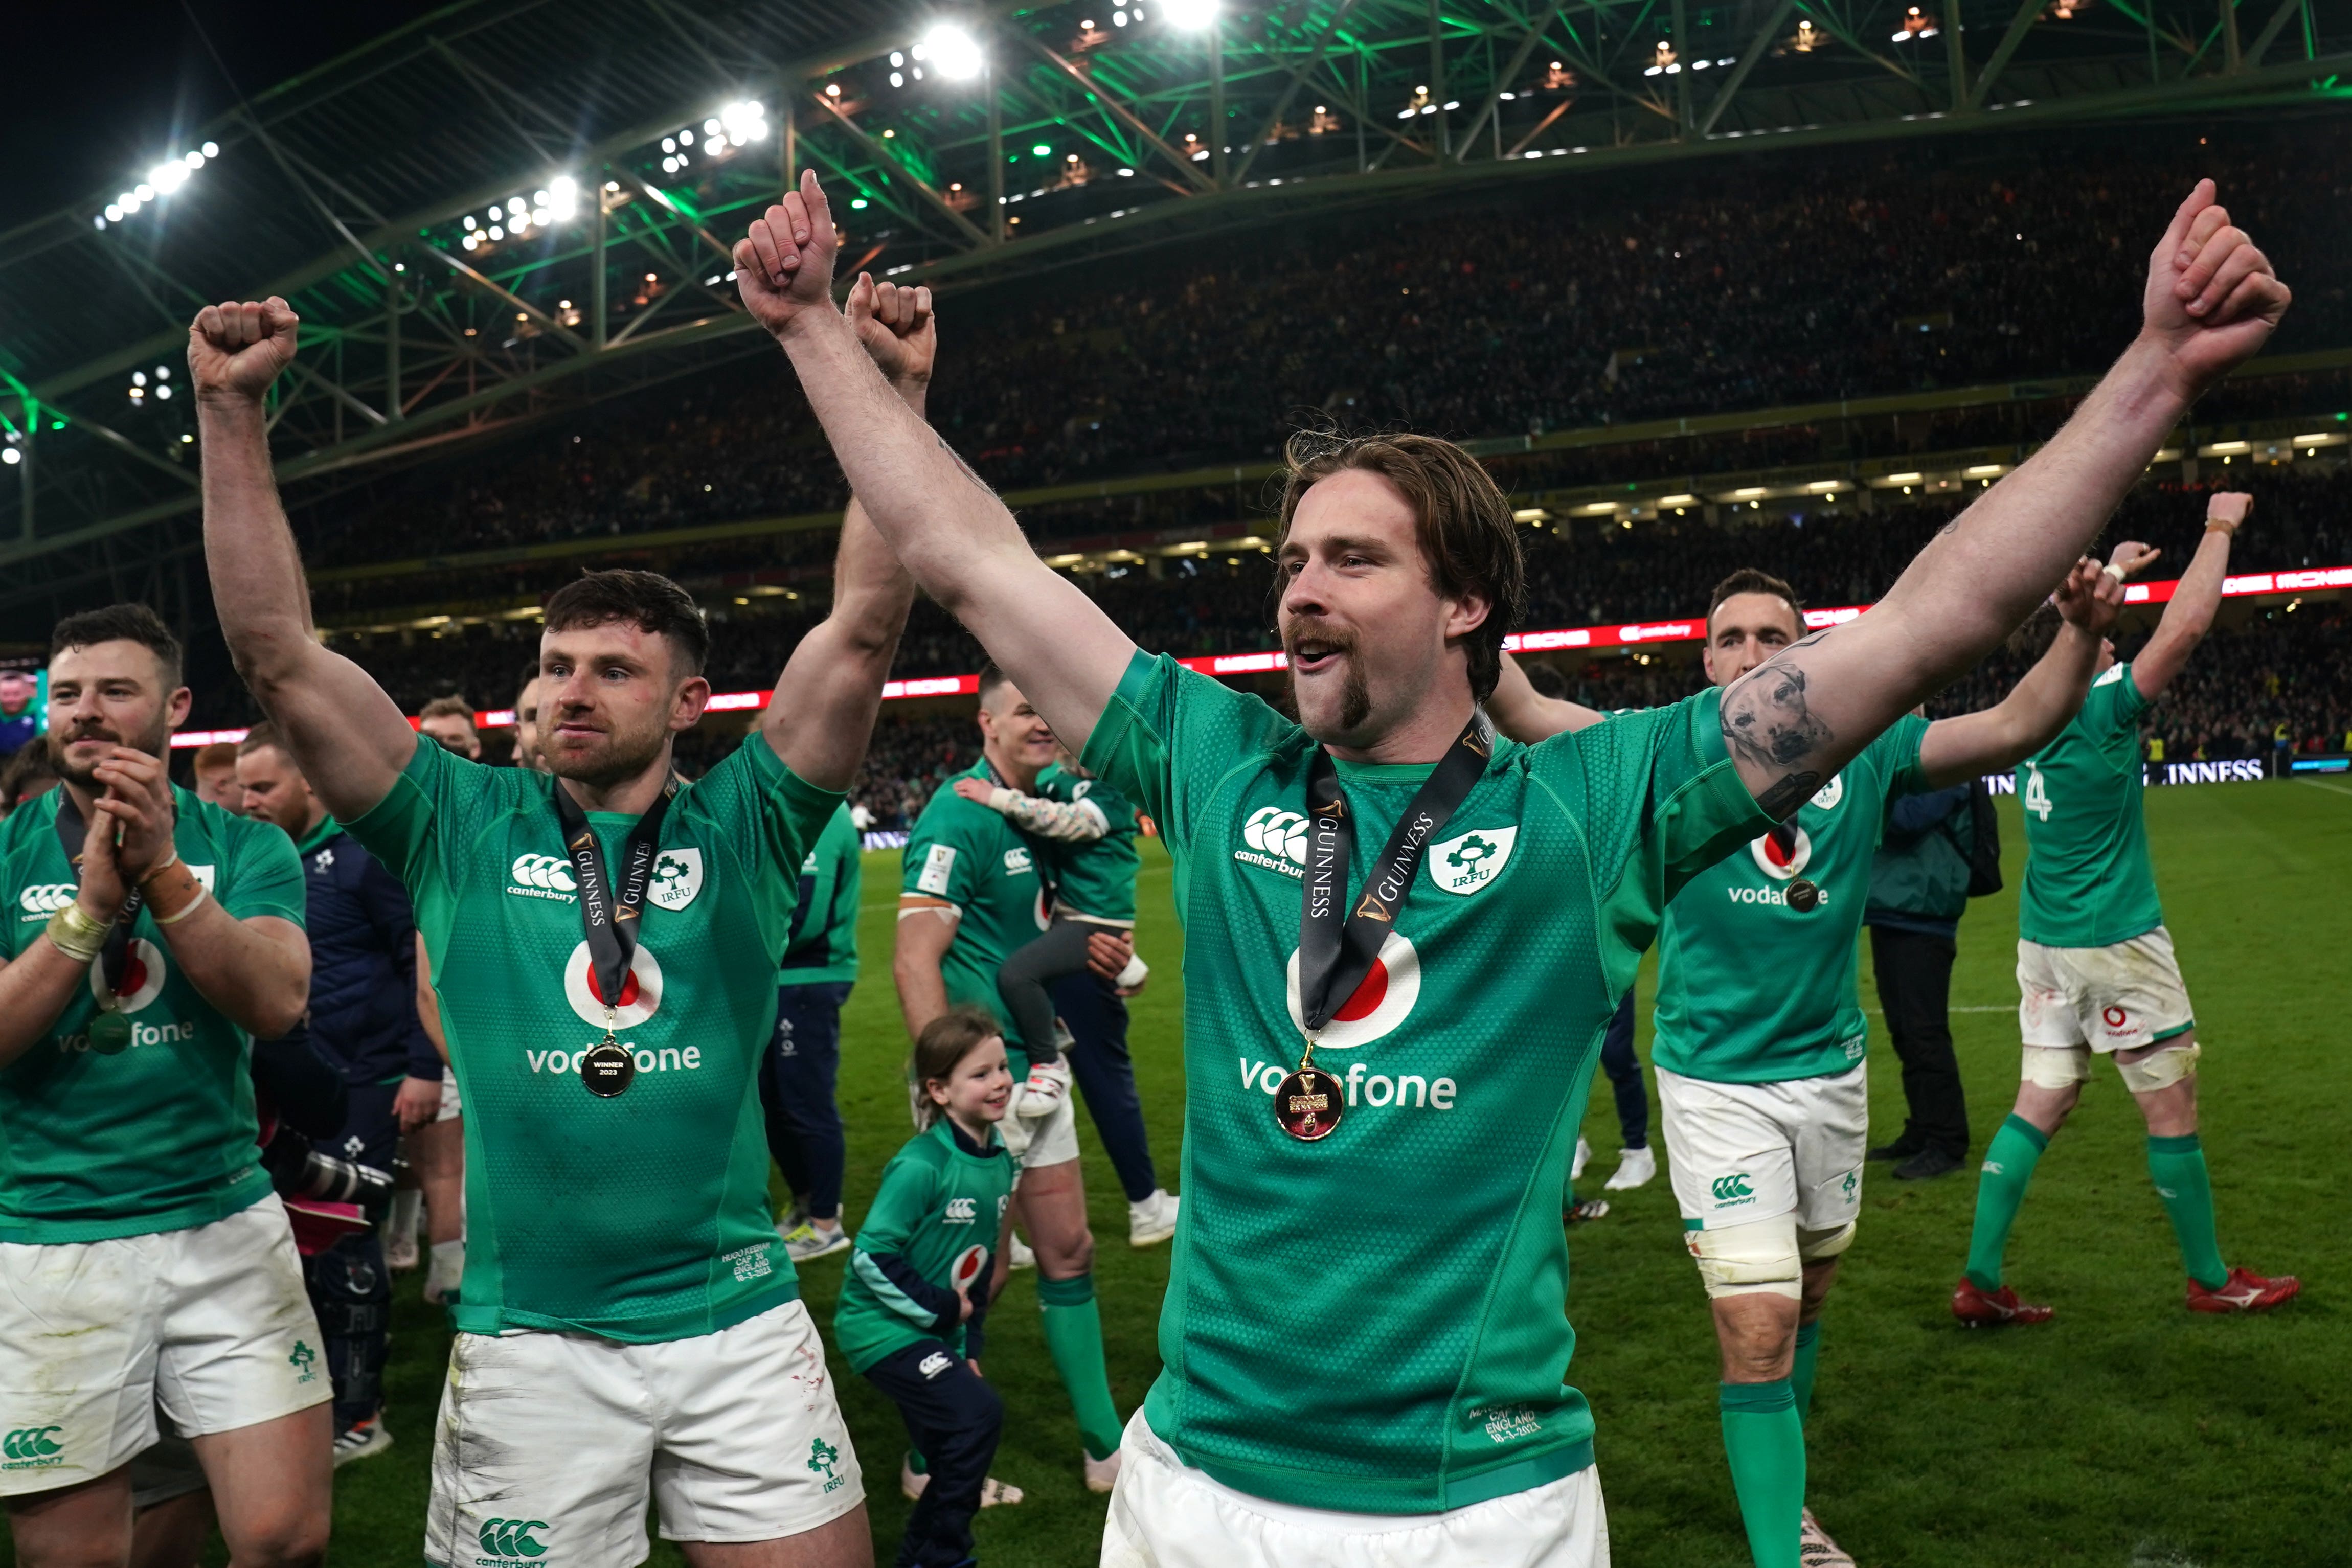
(1822, 1246)
(1760, 1258)
(293, 1538)
(2061, 1070)
(2161, 1068)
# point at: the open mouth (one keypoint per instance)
(1311, 656)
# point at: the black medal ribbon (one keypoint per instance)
(1338, 946)
(609, 911)
(109, 1031)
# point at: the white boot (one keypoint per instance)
(1583, 1155)
(1635, 1170)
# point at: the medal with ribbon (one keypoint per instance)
(609, 911)
(109, 1031)
(1337, 949)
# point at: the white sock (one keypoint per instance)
(448, 1263)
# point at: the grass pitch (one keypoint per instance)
(2128, 1433)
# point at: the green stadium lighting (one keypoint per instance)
(858, 203)
(1042, 151)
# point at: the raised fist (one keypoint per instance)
(784, 265)
(236, 349)
(896, 327)
(2228, 507)
(2211, 298)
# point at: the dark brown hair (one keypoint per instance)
(121, 623)
(1748, 579)
(646, 600)
(1461, 518)
(991, 678)
(444, 707)
(260, 734)
(946, 1040)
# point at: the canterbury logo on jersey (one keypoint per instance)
(960, 1211)
(43, 899)
(1017, 864)
(30, 1448)
(542, 876)
(1275, 839)
(510, 1540)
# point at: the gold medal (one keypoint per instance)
(1309, 1102)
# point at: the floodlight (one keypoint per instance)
(1042, 151)
(955, 52)
(139, 378)
(11, 456)
(564, 196)
(1191, 13)
(194, 159)
(210, 150)
(164, 392)
(144, 193)
(113, 213)
(669, 143)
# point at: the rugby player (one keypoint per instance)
(450, 721)
(1761, 1036)
(974, 894)
(629, 1320)
(2094, 965)
(1352, 1370)
(147, 1262)
(1088, 831)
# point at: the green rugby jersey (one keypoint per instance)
(822, 946)
(970, 856)
(161, 1135)
(2089, 882)
(1374, 1322)
(937, 1203)
(1753, 991)
(1098, 877)
(644, 1217)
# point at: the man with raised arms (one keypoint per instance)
(1456, 923)
(1761, 1033)
(2094, 965)
(603, 942)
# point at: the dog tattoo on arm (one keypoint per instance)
(1767, 723)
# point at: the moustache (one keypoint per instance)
(1315, 629)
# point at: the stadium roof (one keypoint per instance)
(512, 207)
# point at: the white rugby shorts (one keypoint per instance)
(1738, 1153)
(210, 1322)
(548, 1443)
(1036, 1141)
(452, 1107)
(2126, 997)
(1166, 1514)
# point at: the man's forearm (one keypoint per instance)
(2041, 704)
(35, 988)
(898, 467)
(259, 983)
(257, 574)
(2197, 597)
(1994, 563)
(922, 992)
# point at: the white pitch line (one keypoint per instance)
(2322, 784)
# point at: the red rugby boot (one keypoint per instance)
(2244, 1292)
(1980, 1309)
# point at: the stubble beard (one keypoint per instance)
(619, 759)
(154, 742)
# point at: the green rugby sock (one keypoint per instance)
(2177, 1165)
(1073, 1336)
(2008, 1167)
(1800, 1370)
(1764, 1439)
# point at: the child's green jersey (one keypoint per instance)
(929, 1234)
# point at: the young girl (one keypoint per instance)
(917, 1290)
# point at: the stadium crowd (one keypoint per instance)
(1747, 287)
